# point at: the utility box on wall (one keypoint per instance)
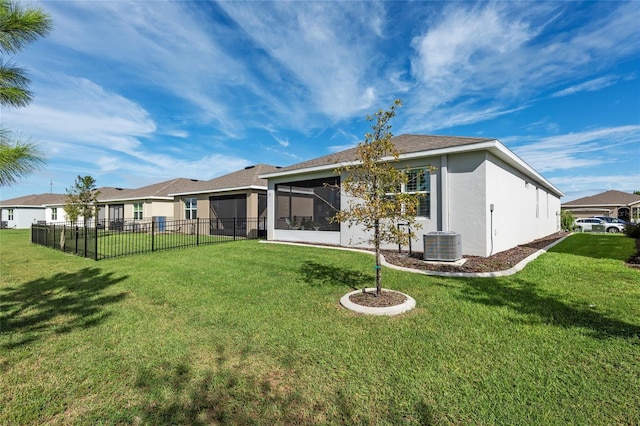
(445, 246)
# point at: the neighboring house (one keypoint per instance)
(480, 189)
(622, 205)
(129, 209)
(241, 195)
(22, 212)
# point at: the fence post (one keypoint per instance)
(76, 239)
(234, 228)
(85, 241)
(153, 229)
(96, 246)
(198, 231)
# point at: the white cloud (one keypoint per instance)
(82, 126)
(490, 58)
(78, 111)
(163, 43)
(575, 150)
(588, 86)
(339, 148)
(297, 158)
(281, 141)
(328, 48)
(579, 186)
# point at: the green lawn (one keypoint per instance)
(250, 333)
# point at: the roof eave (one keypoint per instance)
(158, 198)
(213, 191)
(23, 206)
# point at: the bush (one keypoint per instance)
(567, 221)
(632, 230)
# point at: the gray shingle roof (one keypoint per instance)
(34, 200)
(157, 190)
(405, 144)
(109, 192)
(244, 178)
(607, 198)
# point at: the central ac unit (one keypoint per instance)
(443, 246)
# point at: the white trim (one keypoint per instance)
(214, 191)
(407, 305)
(123, 200)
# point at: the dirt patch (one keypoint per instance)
(498, 262)
(385, 299)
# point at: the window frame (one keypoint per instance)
(54, 213)
(10, 214)
(425, 199)
(190, 208)
(138, 211)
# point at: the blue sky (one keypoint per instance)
(134, 93)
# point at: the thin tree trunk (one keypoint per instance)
(377, 244)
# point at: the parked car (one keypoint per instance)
(587, 223)
(610, 219)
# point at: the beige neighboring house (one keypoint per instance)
(55, 213)
(622, 205)
(480, 190)
(22, 212)
(133, 209)
(240, 195)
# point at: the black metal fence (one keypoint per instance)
(106, 239)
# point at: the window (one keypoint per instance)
(308, 204)
(54, 213)
(9, 214)
(191, 208)
(418, 182)
(137, 210)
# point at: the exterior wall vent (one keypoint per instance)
(445, 246)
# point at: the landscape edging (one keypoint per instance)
(504, 273)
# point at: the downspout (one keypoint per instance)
(271, 209)
(444, 193)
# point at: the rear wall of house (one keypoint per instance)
(523, 209)
(23, 217)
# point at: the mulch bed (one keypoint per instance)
(386, 298)
(498, 262)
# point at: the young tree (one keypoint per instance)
(567, 220)
(82, 199)
(18, 27)
(374, 182)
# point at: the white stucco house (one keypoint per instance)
(479, 189)
(22, 212)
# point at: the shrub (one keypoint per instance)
(632, 230)
(567, 221)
